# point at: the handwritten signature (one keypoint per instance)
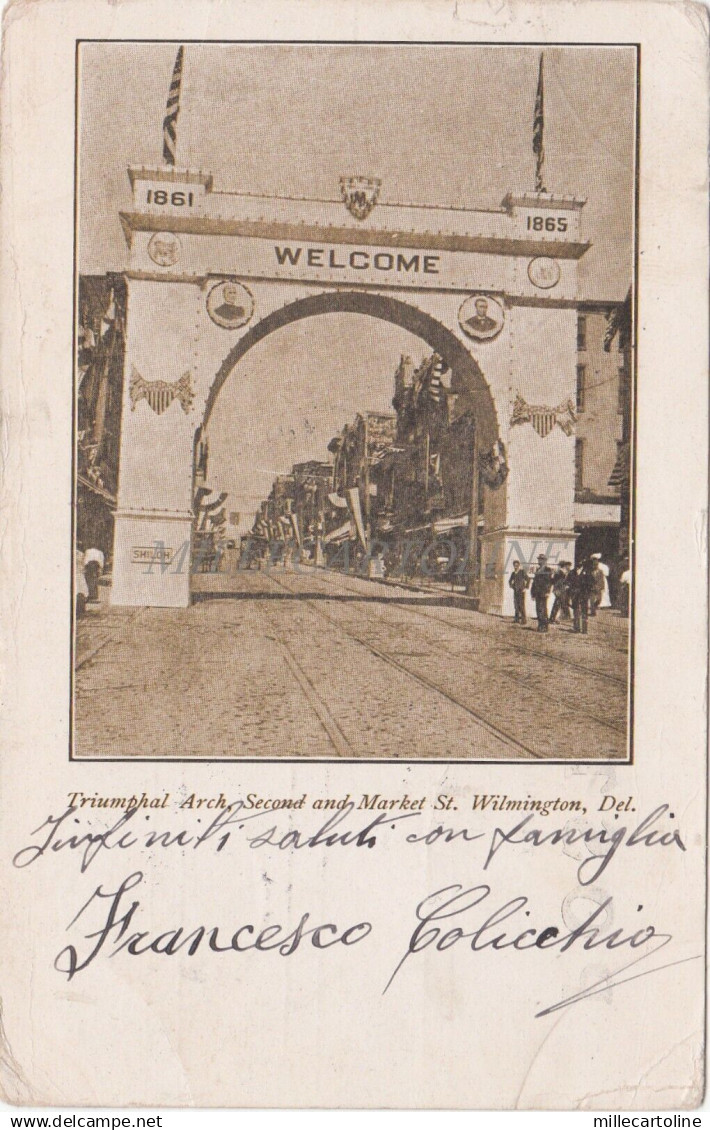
(441, 924)
(453, 901)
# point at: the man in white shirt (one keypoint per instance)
(602, 598)
(93, 568)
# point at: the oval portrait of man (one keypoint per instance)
(230, 305)
(481, 317)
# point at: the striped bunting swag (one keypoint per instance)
(544, 418)
(172, 111)
(621, 473)
(438, 369)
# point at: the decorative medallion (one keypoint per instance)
(481, 317)
(543, 272)
(160, 394)
(230, 305)
(360, 195)
(164, 248)
(544, 419)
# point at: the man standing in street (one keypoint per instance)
(519, 582)
(93, 568)
(540, 592)
(560, 605)
(600, 596)
(581, 585)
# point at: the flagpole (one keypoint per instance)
(473, 587)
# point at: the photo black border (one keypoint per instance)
(130, 759)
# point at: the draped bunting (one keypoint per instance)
(544, 418)
(160, 394)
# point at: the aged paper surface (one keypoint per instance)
(354, 610)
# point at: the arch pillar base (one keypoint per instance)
(151, 558)
(501, 547)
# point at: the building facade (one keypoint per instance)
(100, 336)
(603, 408)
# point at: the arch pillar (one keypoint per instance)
(162, 406)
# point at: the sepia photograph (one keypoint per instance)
(354, 401)
(355, 417)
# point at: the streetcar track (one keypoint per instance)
(489, 727)
(107, 640)
(87, 658)
(523, 650)
(622, 682)
(329, 724)
(531, 687)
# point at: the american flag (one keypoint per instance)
(172, 111)
(538, 129)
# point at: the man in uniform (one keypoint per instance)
(540, 592)
(519, 582)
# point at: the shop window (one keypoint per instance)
(623, 390)
(579, 465)
(581, 382)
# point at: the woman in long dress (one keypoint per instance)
(605, 601)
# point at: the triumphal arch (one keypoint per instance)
(211, 273)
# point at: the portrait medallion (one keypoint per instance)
(481, 317)
(230, 305)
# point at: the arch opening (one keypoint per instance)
(467, 377)
(466, 380)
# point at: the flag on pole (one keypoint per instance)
(172, 111)
(539, 128)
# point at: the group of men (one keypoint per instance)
(578, 591)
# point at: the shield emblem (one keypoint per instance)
(543, 420)
(360, 195)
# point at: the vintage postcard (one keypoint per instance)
(354, 379)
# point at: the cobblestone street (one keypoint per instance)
(320, 665)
